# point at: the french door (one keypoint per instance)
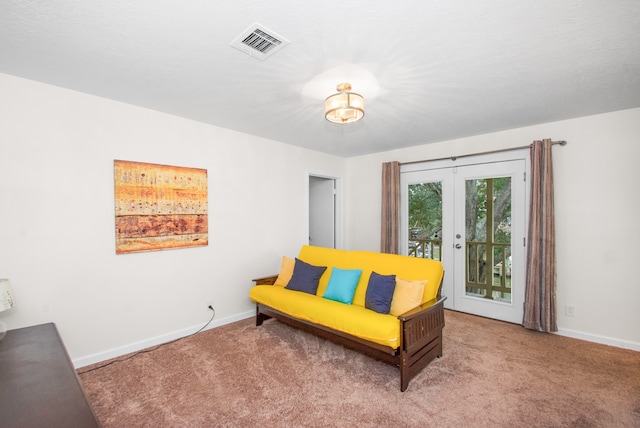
(472, 217)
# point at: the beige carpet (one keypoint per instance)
(492, 374)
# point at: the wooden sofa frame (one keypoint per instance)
(420, 335)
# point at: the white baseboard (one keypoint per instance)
(158, 340)
(627, 344)
(153, 341)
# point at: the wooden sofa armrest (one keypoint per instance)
(418, 310)
(423, 325)
(266, 280)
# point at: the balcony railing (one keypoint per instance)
(426, 248)
(494, 283)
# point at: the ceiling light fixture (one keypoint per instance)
(345, 106)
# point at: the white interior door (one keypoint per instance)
(473, 218)
(322, 211)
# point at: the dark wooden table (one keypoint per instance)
(39, 386)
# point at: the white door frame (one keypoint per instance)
(507, 311)
(338, 241)
(433, 168)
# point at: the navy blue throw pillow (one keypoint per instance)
(380, 292)
(305, 277)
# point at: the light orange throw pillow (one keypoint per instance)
(286, 271)
(406, 296)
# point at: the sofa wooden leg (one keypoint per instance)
(405, 376)
(260, 317)
(404, 383)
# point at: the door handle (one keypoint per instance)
(458, 246)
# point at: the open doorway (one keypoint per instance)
(323, 211)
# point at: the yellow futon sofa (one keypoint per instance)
(384, 305)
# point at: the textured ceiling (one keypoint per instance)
(429, 70)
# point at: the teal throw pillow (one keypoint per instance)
(305, 277)
(342, 285)
(380, 292)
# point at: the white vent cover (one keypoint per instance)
(259, 42)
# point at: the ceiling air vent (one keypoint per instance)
(259, 42)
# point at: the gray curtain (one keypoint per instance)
(540, 282)
(390, 231)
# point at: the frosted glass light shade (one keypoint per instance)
(345, 106)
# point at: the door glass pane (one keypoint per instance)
(488, 238)
(425, 220)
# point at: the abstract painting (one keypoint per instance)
(159, 207)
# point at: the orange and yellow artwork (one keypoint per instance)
(159, 207)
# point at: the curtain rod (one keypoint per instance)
(559, 143)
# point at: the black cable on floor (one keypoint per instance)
(144, 351)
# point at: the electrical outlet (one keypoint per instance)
(570, 310)
(210, 303)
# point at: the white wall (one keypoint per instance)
(597, 203)
(57, 232)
